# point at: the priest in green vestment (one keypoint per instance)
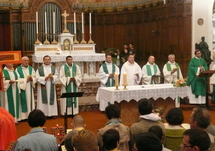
(150, 69)
(27, 80)
(70, 77)
(171, 70)
(197, 84)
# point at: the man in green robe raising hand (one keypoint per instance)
(197, 84)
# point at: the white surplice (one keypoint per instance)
(147, 78)
(28, 87)
(131, 70)
(103, 77)
(65, 81)
(168, 77)
(5, 102)
(49, 110)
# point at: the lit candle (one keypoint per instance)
(45, 24)
(53, 22)
(37, 22)
(90, 23)
(82, 19)
(164, 1)
(116, 77)
(74, 23)
(57, 125)
(125, 78)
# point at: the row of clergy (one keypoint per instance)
(18, 94)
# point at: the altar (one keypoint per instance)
(164, 95)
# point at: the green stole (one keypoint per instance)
(170, 69)
(43, 87)
(149, 72)
(23, 93)
(10, 94)
(105, 69)
(71, 84)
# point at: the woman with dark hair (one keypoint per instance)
(174, 128)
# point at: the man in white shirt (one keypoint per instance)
(132, 70)
(107, 71)
(150, 69)
(171, 70)
(46, 90)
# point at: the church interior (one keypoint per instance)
(155, 27)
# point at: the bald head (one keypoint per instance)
(171, 58)
(78, 121)
(25, 61)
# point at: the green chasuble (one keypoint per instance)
(198, 84)
(149, 72)
(10, 97)
(71, 87)
(23, 94)
(168, 66)
(105, 69)
(43, 87)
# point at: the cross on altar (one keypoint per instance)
(65, 15)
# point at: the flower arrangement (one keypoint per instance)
(180, 83)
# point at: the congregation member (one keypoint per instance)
(133, 72)
(171, 70)
(200, 118)
(159, 133)
(78, 124)
(110, 140)
(11, 99)
(36, 139)
(85, 140)
(197, 84)
(70, 77)
(113, 114)
(149, 70)
(146, 120)
(27, 80)
(124, 54)
(107, 71)
(174, 128)
(147, 142)
(131, 49)
(195, 140)
(46, 77)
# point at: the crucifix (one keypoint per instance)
(65, 15)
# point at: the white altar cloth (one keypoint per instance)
(76, 57)
(109, 94)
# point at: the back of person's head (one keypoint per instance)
(68, 140)
(201, 116)
(197, 138)
(36, 118)
(157, 131)
(144, 106)
(175, 116)
(147, 142)
(110, 139)
(85, 140)
(112, 111)
(78, 121)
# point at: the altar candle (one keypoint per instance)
(116, 77)
(74, 23)
(45, 24)
(37, 22)
(125, 78)
(82, 20)
(164, 1)
(53, 22)
(90, 23)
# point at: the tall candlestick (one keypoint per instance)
(53, 22)
(90, 23)
(116, 77)
(82, 20)
(45, 24)
(164, 1)
(125, 79)
(74, 23)
(37, 22)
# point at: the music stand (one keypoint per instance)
(70, 95)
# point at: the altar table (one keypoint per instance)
(128, 99)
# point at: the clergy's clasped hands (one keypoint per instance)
(201, 68)
(50, 76)
(29, 78)
(111, 75)
(12, 81)
(72, 79)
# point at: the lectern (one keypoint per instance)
(70, 95)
